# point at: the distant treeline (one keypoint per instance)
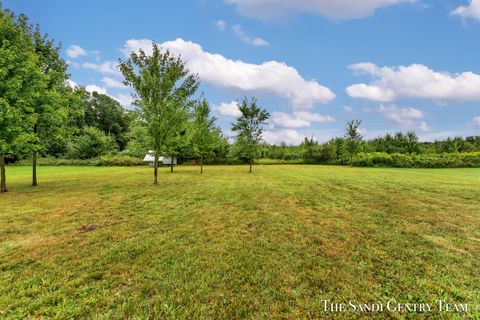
(399, 149)
(102, 132)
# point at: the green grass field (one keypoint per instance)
(103, 242)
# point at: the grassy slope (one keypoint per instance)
(234, 245)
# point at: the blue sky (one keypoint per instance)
(394, 64)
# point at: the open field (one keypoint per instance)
(103, 242)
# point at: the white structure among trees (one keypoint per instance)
(149, 157)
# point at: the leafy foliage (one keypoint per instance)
(250, 128)
(163, 87)
(353, 138)
(21, 84)
(91, 144)
(203, 137)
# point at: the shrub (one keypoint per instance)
(432, 160)
(115, 160)
(92, 143)
(119, 160)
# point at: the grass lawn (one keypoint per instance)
(103, 242)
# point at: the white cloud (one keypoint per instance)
(124, 99)
(229, 110)
(72, 84)
(414, 81)
(424, 126)
(221, 24)
(75, 51)
(405, 118)
(108, 67)
(76, 65)
(284, 120)
(271, 77)
(313, 117)
(289, 136)
(112, 83)
(298, 119)
(94, 88)
(334, 9)
(348, 109)
(472, 10)
(258, 42)
(476, 122)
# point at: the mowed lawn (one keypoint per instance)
(103, 242)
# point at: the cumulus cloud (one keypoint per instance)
(108, 67)
(405, 118)
(72, 84)
(298, 119)
(277, 136)
(284, 120)
(75, 51)
(124, 99)
(221, 24)
(257, 42)
(334, 9)
(424, 126)
(112, 83)
(270, 78)
(472, 10)
(476, 122)
(94, 88)
(414, 81)
(229, 110)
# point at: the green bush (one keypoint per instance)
(114, 160)
(51, 161)
(120, 160)
(431, 160)
(92, 143)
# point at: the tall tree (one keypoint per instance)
(19, 85)
(108, 115)
(250, 128)
(353, 138)
(49, 109)
(203, 137)
(163, 86)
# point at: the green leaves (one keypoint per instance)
(249, 127)
(163, 86)
(203, 137)
(20, 80)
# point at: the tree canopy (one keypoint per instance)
(163, 87)
(249, 128)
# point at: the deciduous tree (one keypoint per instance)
(163, 86)
(19, 85)
(353, 138)
(250, 128)
(203, 138)
(49, 112)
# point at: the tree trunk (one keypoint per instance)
(251, 162)
(3, 174)
(34, 170)
(155, 169)
(201, 164)
(171, 164)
